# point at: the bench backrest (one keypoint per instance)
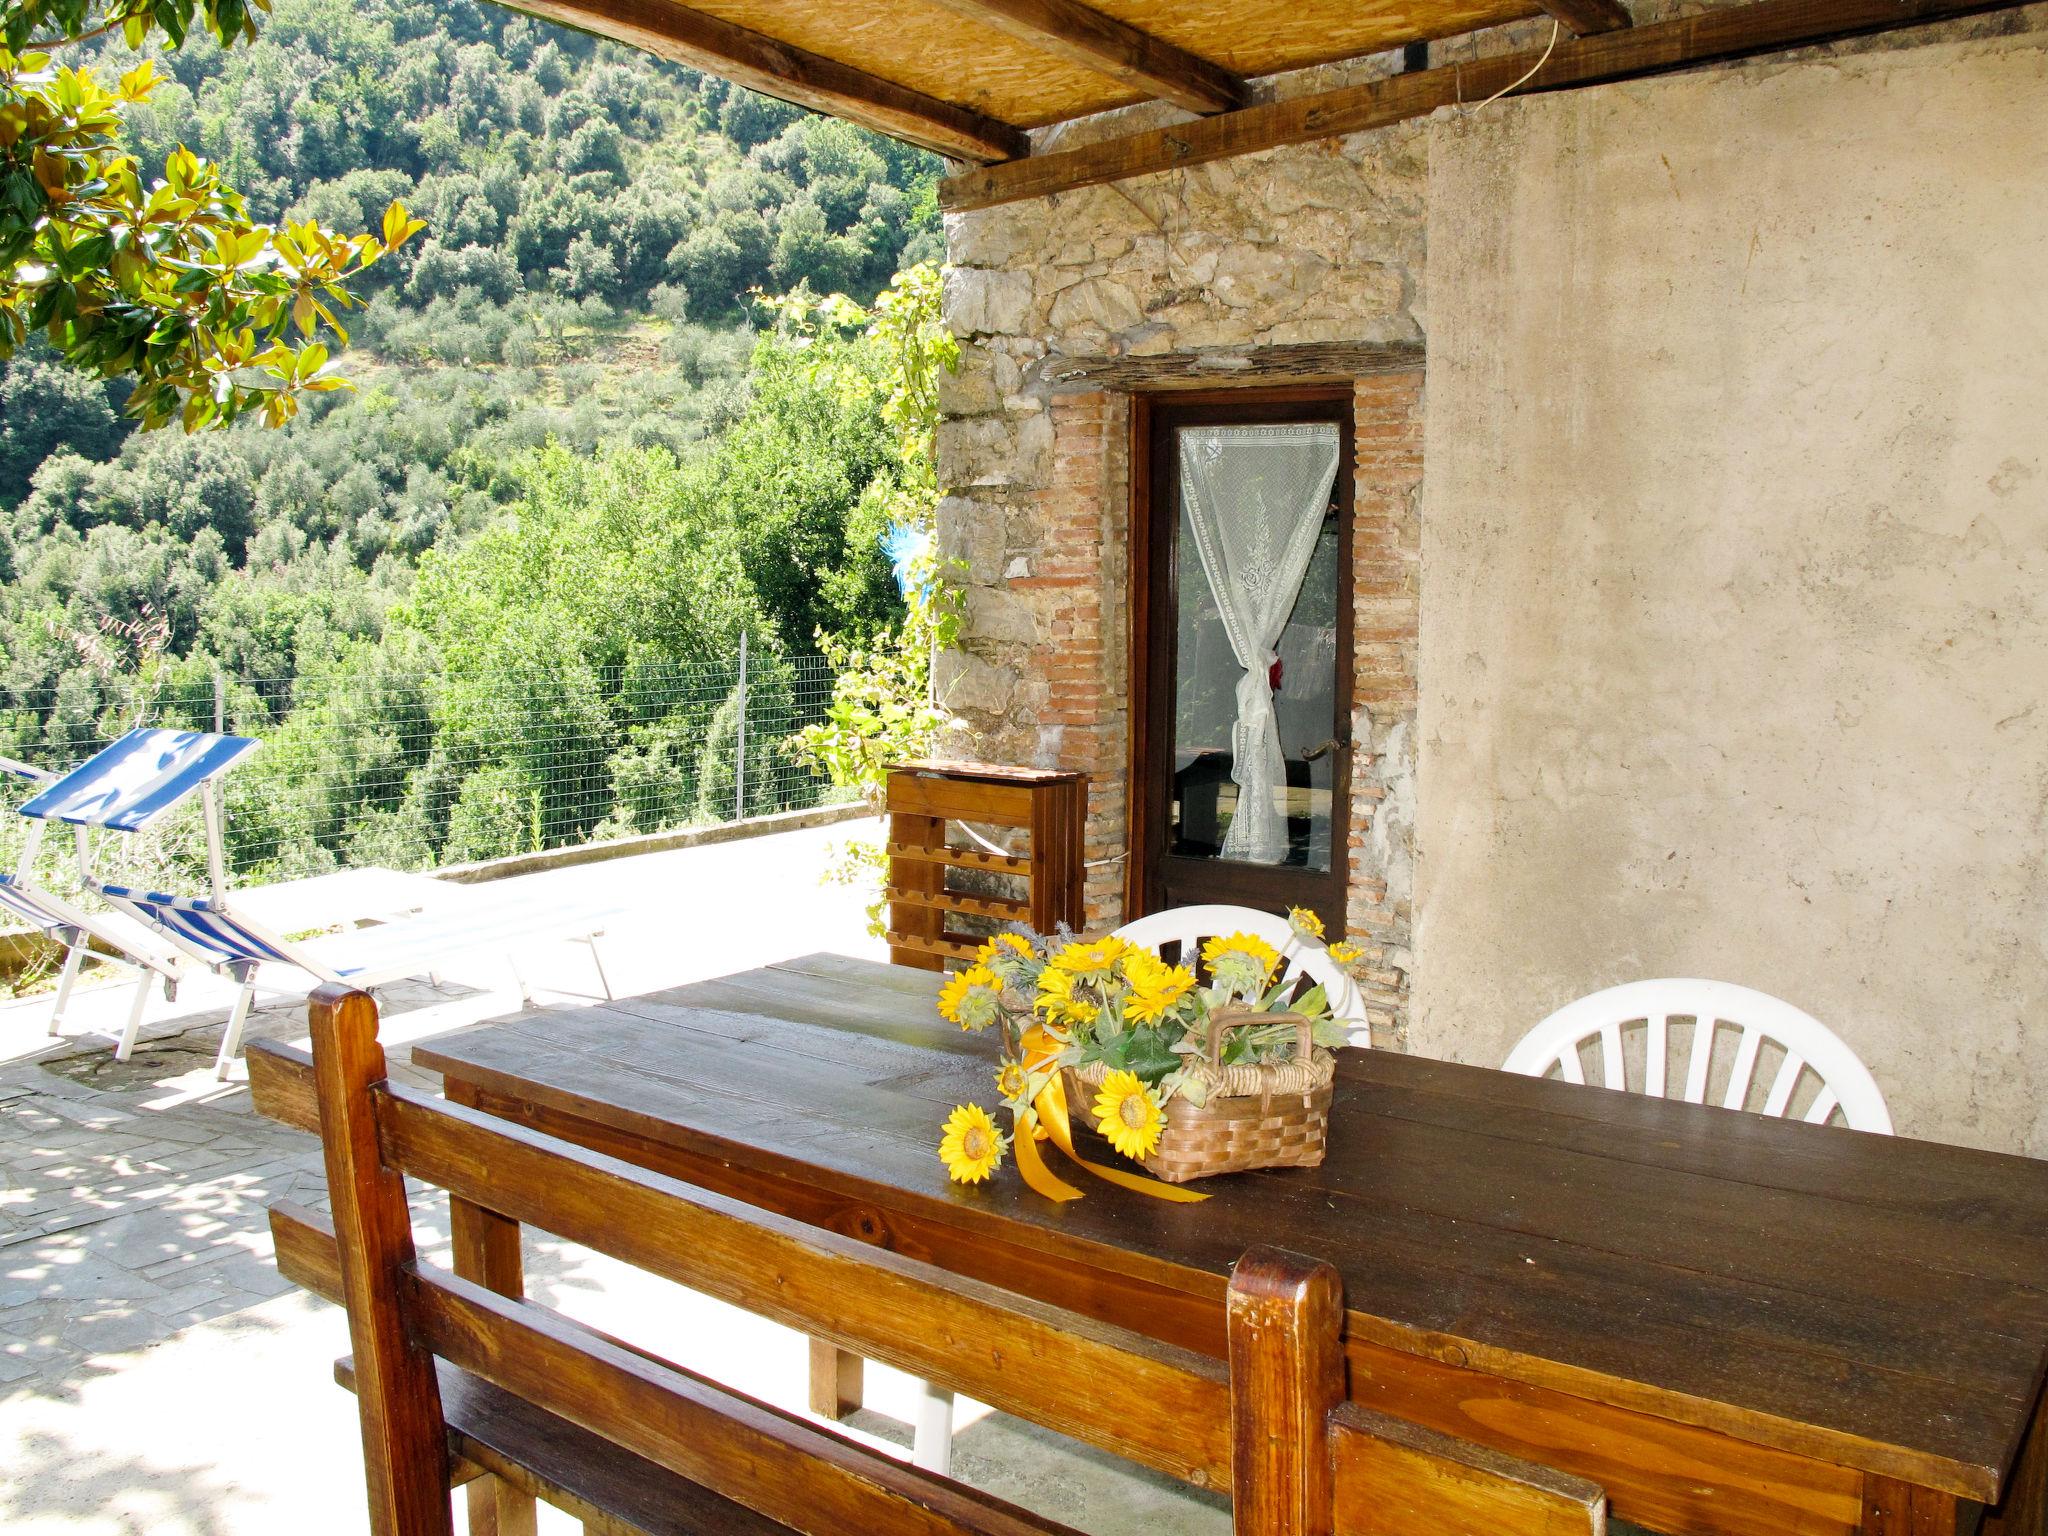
(1270, 1425)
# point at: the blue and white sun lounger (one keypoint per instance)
(147, 772)
(119, 937)
(126, 786)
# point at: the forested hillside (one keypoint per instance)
(484, 603)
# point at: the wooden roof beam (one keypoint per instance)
(760, 63)
(1727, 33)
(1110, 47)
(1583, 18)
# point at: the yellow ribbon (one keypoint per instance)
(1031, 1163)
(1051, 1108)
(1048, 1117)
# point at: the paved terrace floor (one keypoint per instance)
(156, 1375)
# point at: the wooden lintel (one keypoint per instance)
(1583, 18)
(1301, 362)
(760, 63)
(1729, 33)
(1110, 47)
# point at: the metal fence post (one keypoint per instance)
(739, 793)
(220, 702)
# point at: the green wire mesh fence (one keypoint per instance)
(420, 769)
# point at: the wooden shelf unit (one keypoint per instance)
(922, 798)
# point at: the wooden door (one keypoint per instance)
(1209, 465)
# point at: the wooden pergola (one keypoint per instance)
(969, 79)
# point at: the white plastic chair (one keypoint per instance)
(1809, 1047)
(1189, 926)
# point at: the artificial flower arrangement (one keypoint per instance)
(1186, 1076)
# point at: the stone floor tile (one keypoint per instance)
(110, 1330)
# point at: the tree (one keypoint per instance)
(882, 709)
(44, 406)
(169, 282)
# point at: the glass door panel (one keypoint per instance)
(1249, 657)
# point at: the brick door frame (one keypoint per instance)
(1075, 678)
(1141, 631)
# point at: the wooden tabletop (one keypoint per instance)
(1875, 1302)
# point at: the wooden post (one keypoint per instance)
(1286, 1314)
(487, 1251)
(2024, 1510)
(1893, 1508)
(405, 1442)
(838, 1380)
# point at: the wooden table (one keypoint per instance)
(1735, 1325)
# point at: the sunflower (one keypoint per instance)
(1128, 1115)
(1092, 962)
(1240, 963)
(1002, 947)
(1346, 954)
(972, 1147)
(1241, 944)
(1305, 922)
(1010, 1080)
(1056, 999)
(1156, 987)
(970, 998)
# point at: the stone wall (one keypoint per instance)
(1735, 547)
(1318, 243)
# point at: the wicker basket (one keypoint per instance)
(1274, 1115)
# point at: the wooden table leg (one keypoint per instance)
(2025, 1510)
(1893, 1508)
(487, 1251)
(837, 1380)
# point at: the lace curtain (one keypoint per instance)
(1255, 498)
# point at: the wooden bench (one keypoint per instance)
(458, 1375)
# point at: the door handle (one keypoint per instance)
(1323, 750)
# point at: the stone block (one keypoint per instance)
(971, 389)
(1281, 277)
(995, 451)
(972, 532)
(998, 237)
(1098, 301)
(965, 682)
(1000, 616)
(976, 301)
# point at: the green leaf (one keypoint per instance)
(1145, 1050)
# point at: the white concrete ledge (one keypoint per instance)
(652, 842)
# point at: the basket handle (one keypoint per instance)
(1241, 1018)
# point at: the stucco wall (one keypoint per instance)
(1735, 562)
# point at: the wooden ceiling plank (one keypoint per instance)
(760, 63)
(1120, 51)
(1584, 18)
(1733, 32)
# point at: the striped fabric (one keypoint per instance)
(223, 939)
(15, 899)
(131, 783)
